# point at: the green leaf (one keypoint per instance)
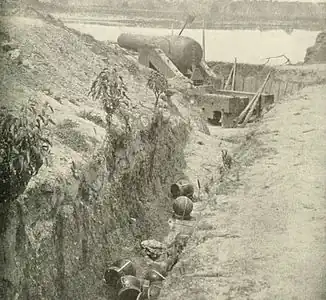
(11, 166)
(27, 156)
(38, 123)
(21, 163)
(13, 129)
(42, 118)
(45, 140)
(35, 152)
(15, 150)
(51, 121)
(45, 148)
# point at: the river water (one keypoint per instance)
(248, 46)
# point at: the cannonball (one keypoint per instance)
(129, 281)
(145, 284)
(153, 275)
(126, 267)
(119, 268)
(112, 275)
(142, 296)
(183, 206)
(154, 290)
(128, 294)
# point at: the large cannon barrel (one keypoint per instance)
(181, 50)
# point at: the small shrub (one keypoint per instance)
(110, 89)
(158, 84)
(24, 147)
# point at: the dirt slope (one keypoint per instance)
(266, 239)
(60, 235)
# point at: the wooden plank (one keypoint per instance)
(274, 90)
(268, 86)
(257, 83)
(223, 82)
(245, 84)
(229, 78)
(279, 90)
(291, 87)
(239, 83)
(282, 89)
(296, 86)
(234, 73)
(285, 88)
(237, 93)
(250, 84)
(256, 101)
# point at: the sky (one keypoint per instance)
(313, 1)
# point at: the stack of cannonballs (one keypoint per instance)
(122, 276)
(183, 193)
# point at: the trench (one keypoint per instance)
(282, 88)
(63, 234)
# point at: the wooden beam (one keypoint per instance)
(234, 73)
(203, 41)
(256, 101)
(229, 78)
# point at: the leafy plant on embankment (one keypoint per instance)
(110, 89)
(158, 84)
(24, 146)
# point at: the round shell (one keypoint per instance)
(142, 296)
(128, 294)
(125, 266)
(129, 281)
(182, 189)
(154, 290)
(119, 268)
(153, 275)
(183, 206)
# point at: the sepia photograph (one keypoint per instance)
(163, 150)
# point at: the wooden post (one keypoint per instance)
(252, 102)
(234, 73)
(279, 90)
(203, 41)
(229, 78)
(189, 20)
(243, 83)
(271, 87)
(292, 87)
(256, 101)
(222, 83)
(296, 86)
(285, 89)
(183, 27)
(172, 29)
